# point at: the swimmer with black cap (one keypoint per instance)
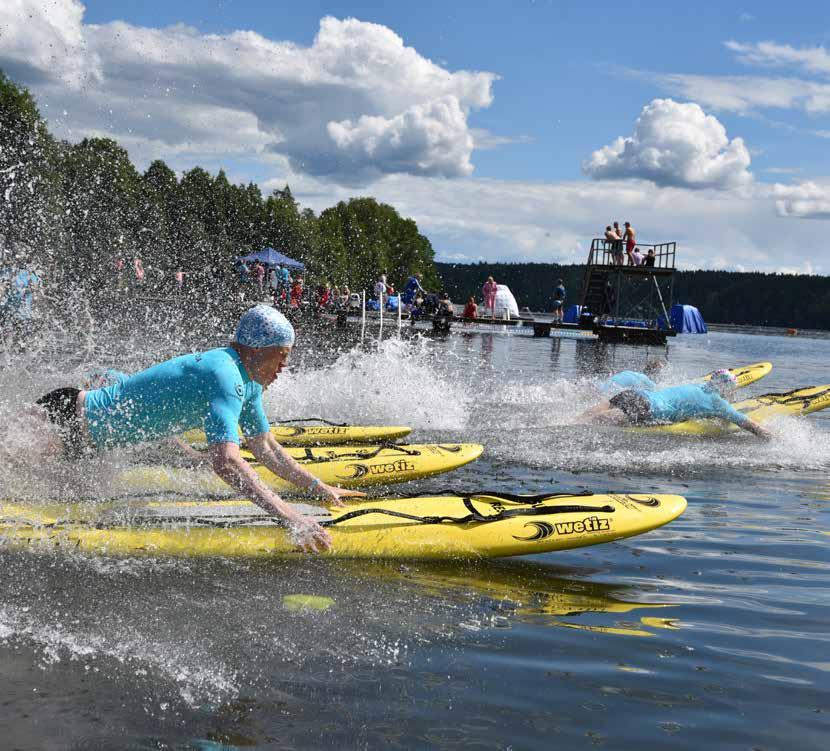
(217, 391)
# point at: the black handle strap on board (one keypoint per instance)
(358, 454)
(792, 397)
(312, 419)
(474, 515)
(500, 495)
(308, 457)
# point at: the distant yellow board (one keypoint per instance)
(475, 526)
(344, 466)
(322, 435)
(748, 374)
(760, 408)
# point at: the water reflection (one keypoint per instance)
(517, 589)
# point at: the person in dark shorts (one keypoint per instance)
(61, 407)
(559, 295)
(633, 405)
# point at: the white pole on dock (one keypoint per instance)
(399, 315)
(380, 328)
(363, 316)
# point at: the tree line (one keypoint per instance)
(81, 210)
(752, 298)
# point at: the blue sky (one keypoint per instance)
(509, 131)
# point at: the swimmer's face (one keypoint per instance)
(268, 364)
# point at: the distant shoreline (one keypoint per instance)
(741, 298)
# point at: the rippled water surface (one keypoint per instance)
(711, 632)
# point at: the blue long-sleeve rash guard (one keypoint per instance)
(209, 390)
(689, 402)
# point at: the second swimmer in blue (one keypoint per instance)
(646, 406)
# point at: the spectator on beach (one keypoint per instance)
(488, 293)
(296, 292)
(471, 308)
(559, 295)
(138, 269)
(380, 289)
(444, 305)
(412, 289)
(19, 290)
(285, 278)
(612, 236)
(179, 277)
(630, 237)
(259, 275)
(649, 259)
(244, 271)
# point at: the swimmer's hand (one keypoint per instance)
(334, 494)
(308, 535)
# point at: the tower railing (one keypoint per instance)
(607, 252)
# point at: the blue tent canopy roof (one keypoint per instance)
(271, 257)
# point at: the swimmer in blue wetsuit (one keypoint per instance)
(675, 404)
(217, 391)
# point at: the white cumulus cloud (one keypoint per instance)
(41, 41)
(355, 104)
(806, 200)
(427, 139)
(674, 144)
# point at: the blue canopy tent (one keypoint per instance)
(686, 319)
(271, 257)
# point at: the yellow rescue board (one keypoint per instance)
(761, 409)
(747, 374)
(475, 526)
(323, 435)
(346, 467)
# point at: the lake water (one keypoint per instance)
(710, 632)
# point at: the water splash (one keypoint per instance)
(399, 383)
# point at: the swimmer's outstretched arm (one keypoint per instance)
(234, 470)
(603, 413)
(198, 458)
(266, 449)
(754, 428)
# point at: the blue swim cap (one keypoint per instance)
(263, 326)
